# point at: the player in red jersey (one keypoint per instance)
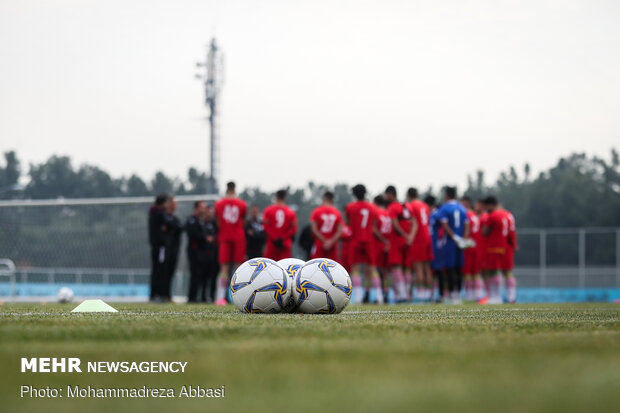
(471, 268)
(326, 224)
(403, 232)
(421, 253)
(230, 214)
(280, 224)
(481, 289)
(495, 232)
(382, 243)
(509, 258)
(345, 248)
(361, 216)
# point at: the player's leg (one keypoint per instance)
(371, 272)
(356, 274)
(495, 278)
(509, 278)
(427, 280)
(194, 275)
(407, 271)
(356, 280)
(225, 257)
(418, 270)
(442, 284)
(468, 274)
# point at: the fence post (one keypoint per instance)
(582, 258)
(542, 259)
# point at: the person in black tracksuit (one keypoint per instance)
(196, 251)
(175, 229)
(255, 234)
(158, 239)
(201, 253)
(212, 259)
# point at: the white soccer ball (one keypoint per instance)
(291, 266)
(260, 286)
(322, 286)
(65, 295)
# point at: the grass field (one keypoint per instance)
(518, 358)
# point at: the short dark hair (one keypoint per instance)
(160, 199)
(391, 189)
(359, 191)
(329, 196)
(281, 194)
(490, 200)
(412, 193)
(197, 204)
(430, 200)
(230, 186)
(380, 200)
(450, 192)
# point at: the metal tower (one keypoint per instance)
(213, 79)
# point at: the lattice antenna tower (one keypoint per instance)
(213, 78)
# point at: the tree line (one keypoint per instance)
(577, 191)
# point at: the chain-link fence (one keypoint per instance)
(568, 257)
(104, 242)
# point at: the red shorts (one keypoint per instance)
(319, 252)
(277, 254)
(508, 262)
(381, 255)
(471, 265)
(494, 261)
(421, 250)
(481, 254)
(362, 252)
(232, 251)
(345, 256)
(399, 251)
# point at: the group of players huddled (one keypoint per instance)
(448, 247)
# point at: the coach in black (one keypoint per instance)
(175, 229)
(158, 238)
(196, 246)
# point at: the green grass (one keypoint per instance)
(519, 358)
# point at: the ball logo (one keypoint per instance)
(260, 265)
(292, 269)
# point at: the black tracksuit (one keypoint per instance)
(160, 256)
(202, 257)
(175, 229)
(255, 237)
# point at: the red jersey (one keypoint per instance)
(402, 214)
(496, 240)
(512, 230)
(384, 222)
(421, 213)
(280, 222)
(327, 219)
(230, 213)
(361, 216)
(474, 226)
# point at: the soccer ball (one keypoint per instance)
(322, 286)
(65, 295)
(260, 286)
(291, 266)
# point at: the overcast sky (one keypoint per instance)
(405, 92)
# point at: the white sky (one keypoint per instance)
(404, 92)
